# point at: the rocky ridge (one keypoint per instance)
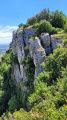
(37, 49)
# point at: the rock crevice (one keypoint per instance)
(36, 48)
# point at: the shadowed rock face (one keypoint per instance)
(38, 48)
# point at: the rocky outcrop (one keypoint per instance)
(46, 43)
(37, 52)
(36, 48)
(55, 42)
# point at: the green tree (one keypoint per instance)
(57, 19)
(43, 26)
(13, 104)
(56, 62)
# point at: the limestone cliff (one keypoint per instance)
(37, 49)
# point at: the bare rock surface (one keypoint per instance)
(38, 49)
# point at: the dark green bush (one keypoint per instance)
(8, 86)
(65, 43)
(55, 30)
(57, 19)
(20, 25)
(56, 62)
(14, 58)
(25, 25)
(44, 26)
(30, 68)
(44, 14)
(26, 49)
(65, 28)
(13, 104)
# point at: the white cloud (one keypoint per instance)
(6, 34)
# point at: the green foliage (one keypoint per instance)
(48, 101)
(57, 19)
(8, 90)
(13, 104)
(65, 43)
(54, 30)
(25, 25)
(20, 25)
(44, 76)
(55, 62)
(20, 115)
(43, 26)
(26, 49)
(30, 68)
(14, 59)
(44, 14)
(15, 101)
(5, 73)
(62, 83)
(19, 96)
(31, 38)
(49, 96)
(65, 28)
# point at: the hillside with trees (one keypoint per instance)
(48, 99)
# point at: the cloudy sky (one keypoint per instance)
(14, 12)
(6, 34)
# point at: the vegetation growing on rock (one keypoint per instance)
(47, 100)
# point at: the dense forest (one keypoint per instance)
(48, 100)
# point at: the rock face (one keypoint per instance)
(37, 52)
(46, 43)
(55, 42)
(37, 49)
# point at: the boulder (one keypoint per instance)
(45, 41)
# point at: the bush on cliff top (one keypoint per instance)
(44, 14)
(56, 18)
(44, 26)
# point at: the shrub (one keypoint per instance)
(56, 61)
(55, 30)
(44, 14)
(25, 25)
(20, 25)
(65, 28)
(14, 58)
(31, 38)
(30, 68)
(57, 19)
(43, 26)
(13, 104)
(65, 43)
(26, 49)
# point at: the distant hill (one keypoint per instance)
(3, 48)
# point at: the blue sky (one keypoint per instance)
(14, 12)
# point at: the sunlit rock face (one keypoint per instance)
(36, 48)
(37, 52)
(46, 43)
(55, 42)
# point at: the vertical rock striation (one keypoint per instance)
(36, 48)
